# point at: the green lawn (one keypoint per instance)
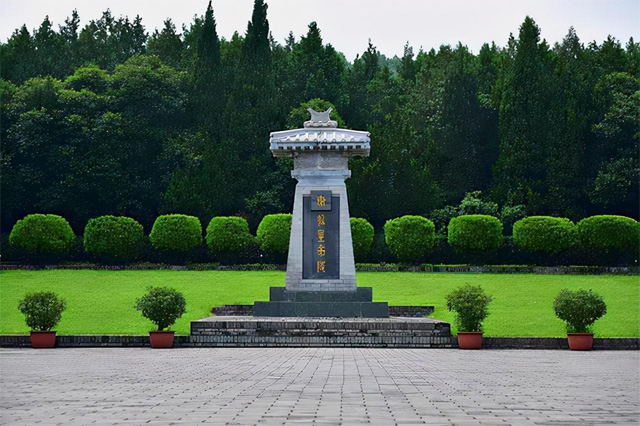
(101, 302)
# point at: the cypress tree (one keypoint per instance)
(167, 45)
(207, 90)
(524, 114)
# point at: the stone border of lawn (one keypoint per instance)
(361, 267)
(553, 343)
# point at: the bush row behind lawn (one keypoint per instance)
(102, 302)
(409, 238)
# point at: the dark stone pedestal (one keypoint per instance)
(339, 304)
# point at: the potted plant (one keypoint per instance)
(42, 312)
(470, 304)
(579, 309)
(163, 306)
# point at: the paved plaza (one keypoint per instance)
(246, 386)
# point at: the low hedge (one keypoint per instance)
(362, 234)
(228, 234)
(607, 233)
(544, 234)
(42, 234)
(273, 233)
(475, 233)
(113, 238)
(176, 232)
(410, 238)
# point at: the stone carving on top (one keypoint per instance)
(320, 119)
(320, 134)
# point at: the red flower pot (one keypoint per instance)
(580, 341)
(43, 339)
(161, 339)
(469, 340)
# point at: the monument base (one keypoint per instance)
(394, 332)
(336, 304)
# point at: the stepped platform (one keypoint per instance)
(339, 304)
(392, 332)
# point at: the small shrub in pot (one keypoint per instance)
(470, 304)
(42, 311)
(579, 309)
(162, 306)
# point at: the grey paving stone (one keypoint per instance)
(253, 386)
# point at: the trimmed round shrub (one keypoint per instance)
(43, 234)
(470, 304)
(228, 234)
(474, 233)
(162, 306)
(113, 238)
(273, 233)
(607, 233)
(410, 238)
(544, 234)
(362, 233)
(176, 232)
(42, 310)
(579, 309)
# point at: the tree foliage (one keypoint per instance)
(105, 118)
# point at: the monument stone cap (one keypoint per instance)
(320, 134)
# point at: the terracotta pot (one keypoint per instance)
(580, 341)
(43, 339)
(161, 339)
(469, 340)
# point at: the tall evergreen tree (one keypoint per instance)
(19, 57)
(207, 94)
(167, 45)
(525, 124)
(572, 117)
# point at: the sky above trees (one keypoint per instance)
(347, 25)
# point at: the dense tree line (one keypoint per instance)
(109, 119)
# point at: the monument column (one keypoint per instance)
(321, 273)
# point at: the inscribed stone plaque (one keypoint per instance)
(320, 201)
(321, 236)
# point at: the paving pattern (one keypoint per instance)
(321, 386)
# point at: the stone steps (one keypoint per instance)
(394, 332)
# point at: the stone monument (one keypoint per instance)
(321, 273)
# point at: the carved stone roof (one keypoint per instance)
(320, 134)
